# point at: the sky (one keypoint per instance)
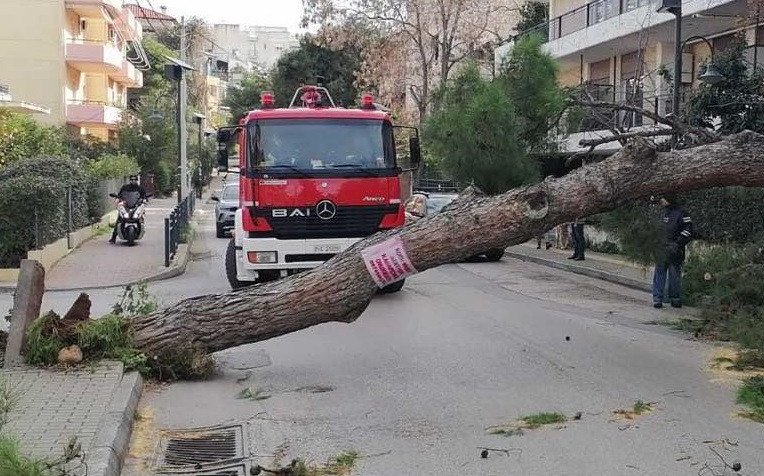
(244, 12)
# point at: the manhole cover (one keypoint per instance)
(201, 449)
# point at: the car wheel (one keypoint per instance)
(392, 288)
(219, 231)
(230, 267)
(494, 254)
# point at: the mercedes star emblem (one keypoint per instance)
(326, 210)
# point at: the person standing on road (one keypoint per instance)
(678, 232)
(133, 186)
(579, 241)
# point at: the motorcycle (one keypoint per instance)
(131, 221)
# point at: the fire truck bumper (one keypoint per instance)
(274, 258)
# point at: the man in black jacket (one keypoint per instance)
(133, 186)
(678, 227)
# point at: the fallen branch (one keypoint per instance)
(341, 289)
(705, 135)
(624, 136)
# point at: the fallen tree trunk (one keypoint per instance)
(342, 288)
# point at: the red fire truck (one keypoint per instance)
(314, 179)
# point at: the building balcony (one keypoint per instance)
(95, 8)
(92, 114)
(94, 56)
(129, 25)
(129, 75)
(598, 27)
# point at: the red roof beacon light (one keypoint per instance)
(367, 101)
(266, 100)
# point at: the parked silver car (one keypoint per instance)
(225, 209)
(422, 204)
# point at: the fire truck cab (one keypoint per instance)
(314, 179)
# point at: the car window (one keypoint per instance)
(230, 193)
(436, 203)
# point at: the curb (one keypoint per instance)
(177, 267)
(106, 456)
(585, 271)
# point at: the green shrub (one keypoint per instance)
(21, 137)
(164, 179)
(112, 166)
(14, 463)
(727, 214)
(752, 395)
(728, 281)
(638, 228)
(34, 209)
(606, 246)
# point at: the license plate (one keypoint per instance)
(326, 249)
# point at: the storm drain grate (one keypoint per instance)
(201, 449)
(228, 470)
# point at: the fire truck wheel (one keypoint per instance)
(230, 267)
(392, 288)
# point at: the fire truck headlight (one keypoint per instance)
(261, 256)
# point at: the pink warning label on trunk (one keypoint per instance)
(387, 262)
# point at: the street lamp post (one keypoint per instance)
(675, 8)
(199, 120)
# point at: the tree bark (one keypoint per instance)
(341, 289)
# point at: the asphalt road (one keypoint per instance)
(417, 381)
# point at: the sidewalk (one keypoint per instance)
(96, 264)
(99, 264)
(612, 268)
(95, 405)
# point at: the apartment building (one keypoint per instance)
(75, 57)
(617, 49)
(252, 46)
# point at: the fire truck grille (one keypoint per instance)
(348, 222)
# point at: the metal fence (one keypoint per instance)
(176, 227)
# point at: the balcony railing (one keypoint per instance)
(583, 17)
(92, 112)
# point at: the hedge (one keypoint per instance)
(726, 214)
(34, 206)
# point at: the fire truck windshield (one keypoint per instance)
(321, 145)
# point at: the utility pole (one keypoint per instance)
(183, 187)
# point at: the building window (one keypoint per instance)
(632, 71)
(724, 42)
(602, 10)
(629, 5)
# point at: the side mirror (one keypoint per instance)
(222, 157)
(414, 151)
(113, 195)
(215, 198)
(149, 195)
(224, 135)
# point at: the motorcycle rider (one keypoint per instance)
(133, 186)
